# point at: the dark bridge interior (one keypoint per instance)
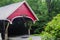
(18, 27)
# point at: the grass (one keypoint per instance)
(30, 38)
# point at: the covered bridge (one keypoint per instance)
(17, 14)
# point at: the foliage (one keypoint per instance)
(53, 27)
(45, 11)
(30, 38)
(36, 34)
(40, 8)
(47, 36)
(7, 2)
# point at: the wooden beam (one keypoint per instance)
(6, 32)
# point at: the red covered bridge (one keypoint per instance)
(17, 11)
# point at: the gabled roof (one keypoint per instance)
(9, 9)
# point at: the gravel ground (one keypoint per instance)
(24, 37)
(0, 36)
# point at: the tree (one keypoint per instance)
(28, 25)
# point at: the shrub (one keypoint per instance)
(53, 27)
(47, 36)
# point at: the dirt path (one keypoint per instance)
(24, 37)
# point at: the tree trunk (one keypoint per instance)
(48, 5)
(29, 30)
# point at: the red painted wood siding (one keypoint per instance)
(22, 10)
